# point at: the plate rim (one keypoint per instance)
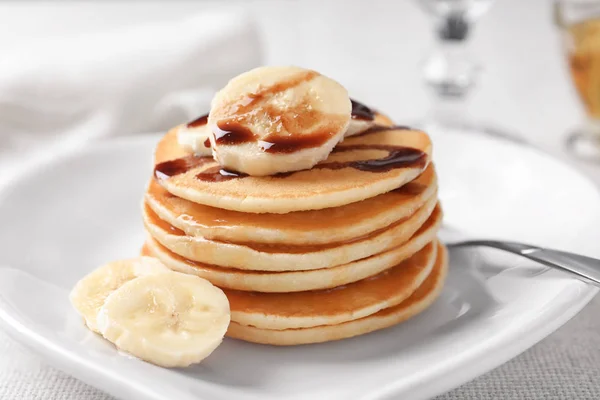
(449, 376)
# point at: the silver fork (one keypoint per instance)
(585, 268)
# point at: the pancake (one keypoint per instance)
(329, 225)
(332, 183)
(333, 306)
(381, 119)
(298, 281)
(422, 298)
(263, 257)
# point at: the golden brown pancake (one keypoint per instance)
(422, 298)
(263, 257)
(333, 306)
(298, 281)
(315, 227)
(326, 185)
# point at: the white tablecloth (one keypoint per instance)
(374, 48)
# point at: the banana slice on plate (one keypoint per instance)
(170, 319)
(89, 293)
(277, 119)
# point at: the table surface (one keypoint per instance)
(375, 49)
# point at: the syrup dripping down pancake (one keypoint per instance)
(263, 257)
(420, 300)
(298, 281)
(333, 306)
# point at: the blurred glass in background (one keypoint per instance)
(451, 71)
(579, 21)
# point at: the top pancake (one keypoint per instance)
(313, 189)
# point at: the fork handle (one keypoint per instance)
(586, 268)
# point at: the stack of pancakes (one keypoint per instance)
(345, 248)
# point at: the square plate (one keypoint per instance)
(64, 217)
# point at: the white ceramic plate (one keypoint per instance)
(63, 218)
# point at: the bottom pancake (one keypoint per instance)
(298, 281)
(333, 306)
(422, 298)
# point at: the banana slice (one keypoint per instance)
(195, 139)
(365, 118)
(89, 293)
(194, 136)
(357, 126)
(277, 119)
(170, 319)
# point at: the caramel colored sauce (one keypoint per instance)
(167, 169)
(202, 120)
(302, 122)
(162, 224)
(328, 302)
(299, 249)
(398, 282)
(217, 174)
(290, 144)
(278, 87)
(254, 100)
(147, 251)
(432, 284)
(207, 143)
(361, 111)
(314, 220)
(315, 127)
(232, 133)
(431, 221)
(411, 189)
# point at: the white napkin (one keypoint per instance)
(64, 91)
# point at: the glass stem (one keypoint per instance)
(450, 71)
(449, 111)
(592, 128)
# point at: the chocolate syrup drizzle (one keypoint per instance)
(398, 157)
(202, 120)
(233, 133)
(218, 174)
(168, 169)
(361, 111)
